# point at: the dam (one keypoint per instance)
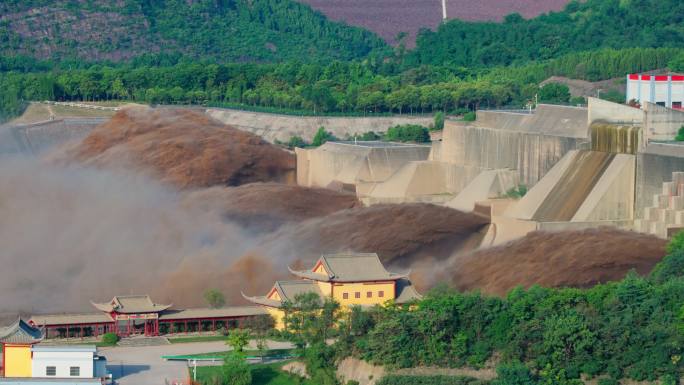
(36, 138)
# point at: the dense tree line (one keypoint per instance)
(315, 88)
(581, 26)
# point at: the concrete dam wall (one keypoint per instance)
(532, 154)
(283, 127)
(32, 139)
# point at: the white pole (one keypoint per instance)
(194, 371)
(444, 12)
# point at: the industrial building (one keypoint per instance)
(663, 90)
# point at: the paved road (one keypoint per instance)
(144, 365)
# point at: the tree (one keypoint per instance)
(214, 298)
(680, 135)
(321, 137)
(439, 121)
(235, 370)
(554, 93)
(238, 339)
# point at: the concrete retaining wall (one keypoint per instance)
(532, 154)
(662, 123)
(283, 127)
(39, 137)
(609, 112)
(352, 164)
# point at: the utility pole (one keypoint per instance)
(444, 11)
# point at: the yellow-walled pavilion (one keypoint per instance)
(350, 279)
(16, 341)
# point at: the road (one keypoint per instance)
(143, 365)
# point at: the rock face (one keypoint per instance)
(184, 148)
(571, 258)
(264, 207)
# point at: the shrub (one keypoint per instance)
(439, 121)
(608, 381)
(680, 135)
(296, 141)
(322, 136)
(236, 371)
(470, 116)
(514, 373)
(110, 338)
(408, 133)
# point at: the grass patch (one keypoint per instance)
(185, 340)
(250, 353)
(262, 374)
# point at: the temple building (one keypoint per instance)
(350, 279)
(26, 361)
(17, 341)
(133, 315)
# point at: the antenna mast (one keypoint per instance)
(444, 13)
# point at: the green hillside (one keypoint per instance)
(223, 30)
(582, 26)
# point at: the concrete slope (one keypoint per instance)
(613, 196)
(535, 197)
(572, 189)
(488, 184)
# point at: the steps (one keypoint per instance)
(143, 341)
(666, 216)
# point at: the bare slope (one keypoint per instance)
(572, 258)
(389, 17)
(183, 147)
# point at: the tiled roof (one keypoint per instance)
(20, 332)
(288, 291)
(406, 292)
(231, 311)
(355, 267)
(70, 319)
(127, 304)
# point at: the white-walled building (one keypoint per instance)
(67, 362)
(664, 90)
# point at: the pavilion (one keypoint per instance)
(350, 279)
(132, 315)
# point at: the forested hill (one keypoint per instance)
(581, 26)
(224, 30)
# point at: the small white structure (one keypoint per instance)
(67, 362)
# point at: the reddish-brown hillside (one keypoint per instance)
(571, 258)
(183, 147)
(389, 17)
